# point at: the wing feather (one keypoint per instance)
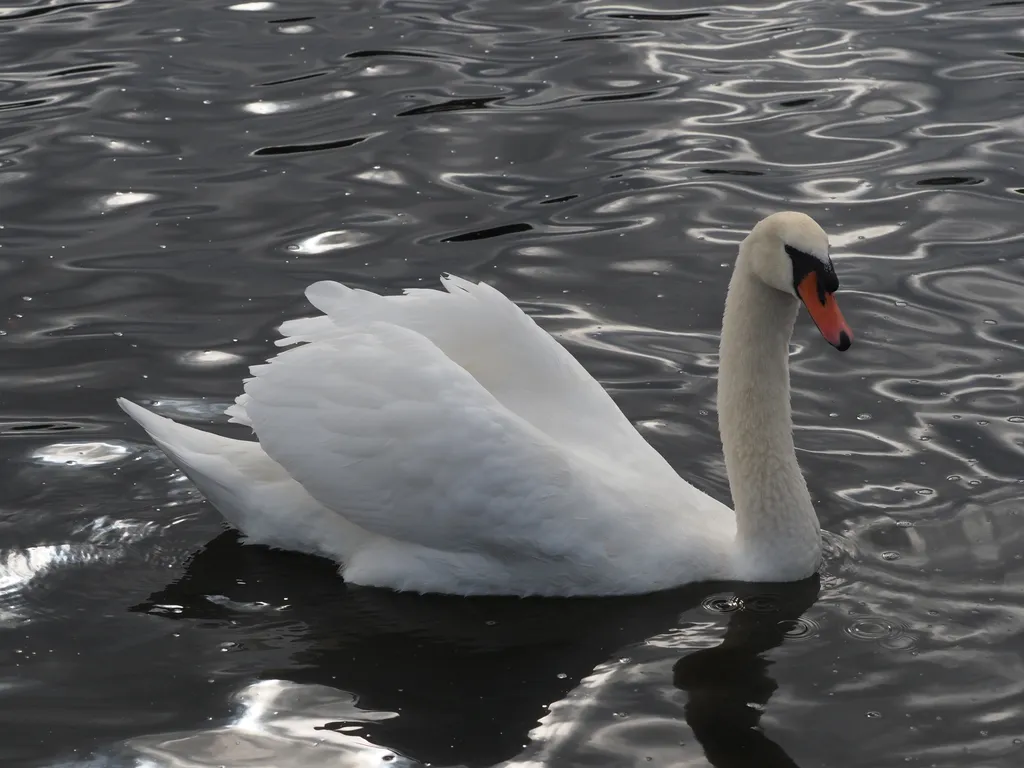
(495, 342)
(380, 425)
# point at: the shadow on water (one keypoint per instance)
(471, 678)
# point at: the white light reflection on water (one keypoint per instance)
(124, 199)
(80, 454)
(335, 240)
(280, 723)
(18, 568)
(256, 7)
(209, 358)
(272, 107)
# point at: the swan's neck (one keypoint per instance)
(777, 536)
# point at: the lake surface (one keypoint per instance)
(172, 175)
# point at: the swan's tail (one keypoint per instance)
(224, 470)
(174, 438)
(252, 491)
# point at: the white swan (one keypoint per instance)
(443, 442)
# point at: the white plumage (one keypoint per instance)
(440, 441)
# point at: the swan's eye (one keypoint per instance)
(804, 264)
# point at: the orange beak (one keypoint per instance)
(825, 313)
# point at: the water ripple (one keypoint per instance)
(172, 176)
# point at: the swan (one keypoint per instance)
(441, 441)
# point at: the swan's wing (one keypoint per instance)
(379, 425)
(493, 340)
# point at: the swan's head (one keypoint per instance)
(789, 252)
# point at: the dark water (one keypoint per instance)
(173, 174)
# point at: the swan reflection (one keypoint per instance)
(457, 681)
(729, 685)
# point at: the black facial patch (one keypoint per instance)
(804, 264)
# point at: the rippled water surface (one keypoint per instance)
(172, 175)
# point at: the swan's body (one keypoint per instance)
(443, 442)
